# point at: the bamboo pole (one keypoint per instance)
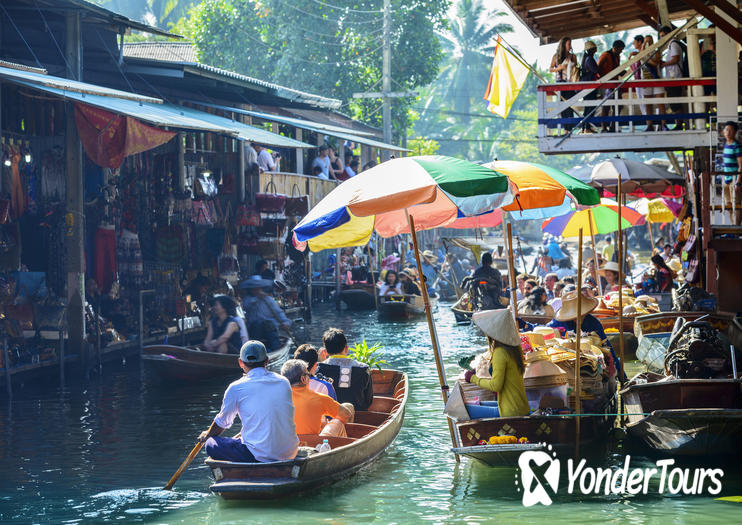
(578, 350)
(651, 236)
(433, 334)
(513, 287)
(371, 268)
(620, 279)
(595, 252)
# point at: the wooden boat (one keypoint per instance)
(193, 364)
(559, 431)
(653, 334)
(461, 311)
(368, 437)
(359, 296)
(684, 417)
(403, 306)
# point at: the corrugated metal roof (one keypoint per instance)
(172, 116)
(176, 53)
(68, 85)
(112, 16)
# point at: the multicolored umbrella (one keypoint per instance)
(542, 191)
(434, 190)
(657, 210)
(604, 219)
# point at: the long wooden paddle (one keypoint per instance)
(183, 466)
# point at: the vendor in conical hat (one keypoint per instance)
(508, 364)
(566, 317)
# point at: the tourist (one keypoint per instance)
(564, 65)
(663, 275)
(556, 303)
(266, 162)
(549, 281)
(407, 282)
(264, 403)
(322, 161)
(317, 382)
(521, 293)
(337, 167)
(608, 249)
(650, 71)
(589, 73)
(638, 44)
(507, 362)
(732, 165)
(609, 60)
(536, 303)
(667, 252)
(428, 265)
(708, 63)
(565, 319)
(493, 278)
(391, 284)
(352, 379)
(672, 66)
(565, 268)
(223, 332)
(311, 408)
(251, 155)
(263, 315)
(351, 169)
(609, 271)
(262, 269)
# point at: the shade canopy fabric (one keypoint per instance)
(604, 219)
(657, 210)
(435, 190)
(635, 176)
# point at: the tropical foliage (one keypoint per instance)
(370, 355)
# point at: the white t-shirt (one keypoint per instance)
(264, 402)
(384, 288)
(324, 165)
(674, 50)
(349, 171)
(318, 386)
(265, 161)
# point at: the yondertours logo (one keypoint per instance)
(539, 472)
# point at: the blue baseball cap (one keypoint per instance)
(253, 352)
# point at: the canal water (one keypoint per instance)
(99, 451)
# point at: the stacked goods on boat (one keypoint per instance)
(695, 407)
(607, 310)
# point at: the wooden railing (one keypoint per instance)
(625, 105)
(296, 184)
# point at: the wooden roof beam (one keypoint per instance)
(729, 9)
(720, 21)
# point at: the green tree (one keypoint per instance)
(422, 146)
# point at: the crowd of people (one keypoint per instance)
(317, 393)
(668, 62)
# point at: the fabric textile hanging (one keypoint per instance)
(108, 138)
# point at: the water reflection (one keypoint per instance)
(101, 450)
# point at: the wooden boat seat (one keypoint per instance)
(384, 404)
(358, 430)
(367, 417)
(312, 440)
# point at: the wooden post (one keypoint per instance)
(337, 278)
(595, 252)
(300, 152)
(513, 287)
(371, 269)
(433, 334)
(181, 138)
(620, 278)
(651, 235)
(578, 350)
(241, 172)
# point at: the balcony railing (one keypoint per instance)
(622, 118)
(298, 185)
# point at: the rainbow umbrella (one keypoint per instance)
(598, 220)
(434, 190)
(542, 191)
(657, 210)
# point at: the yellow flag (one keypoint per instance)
(506, 80)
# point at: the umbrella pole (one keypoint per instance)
(371, 267)
(620, 280)
(433, 333)
(513, 287)
(578, 351)
(651, 237)
(595, 253)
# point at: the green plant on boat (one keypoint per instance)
(370, 355)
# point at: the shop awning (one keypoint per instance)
(326, 129)
(149, 110)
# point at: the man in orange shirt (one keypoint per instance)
(608, 61)
(311, 408)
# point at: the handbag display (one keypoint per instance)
(247, 216)
(272, 226)
(205, 187)
(297, 205)
(270, 202)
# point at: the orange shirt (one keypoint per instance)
(310, 408)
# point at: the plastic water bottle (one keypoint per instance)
(324, 446)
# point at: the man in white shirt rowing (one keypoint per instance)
(264, 403)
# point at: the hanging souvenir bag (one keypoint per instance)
(272, 225)
(297, 205)
(270, 202)
(247, 216)
(202, 214)
(229, 268)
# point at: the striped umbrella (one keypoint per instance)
(604, 219)
(434, 190)
(542, 191)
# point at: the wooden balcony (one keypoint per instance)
(297, 185)
(562, 106)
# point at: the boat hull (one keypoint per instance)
(403, 307)
(368, 437)
(190, 364)
(684, 417)
(359, 297)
